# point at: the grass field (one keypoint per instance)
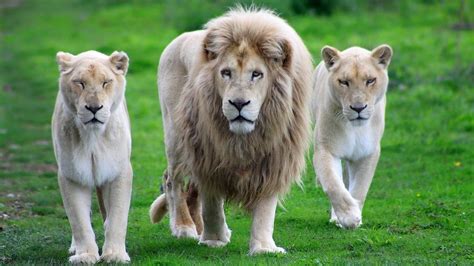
(420, 209)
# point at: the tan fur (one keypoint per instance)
(348, 85)
(93, 153)
(249, 164)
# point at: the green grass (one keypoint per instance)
(419, 208)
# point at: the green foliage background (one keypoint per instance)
(419, 208)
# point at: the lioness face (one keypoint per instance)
(92, 85)
(358, 79)
(242, 82)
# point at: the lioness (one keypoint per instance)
(349, 109)
(235, 105)
(92, 145)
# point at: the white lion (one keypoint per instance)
(349, 109)
(235, 104)
(92, 145)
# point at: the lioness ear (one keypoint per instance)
(330, 56)
(383, 55)
(64, 61)
(119, 61)
(278, 50)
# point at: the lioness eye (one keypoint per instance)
(344, 83)
(370, 81)
(256, 75)
(104, 84)
(82, 85)
(225, 73)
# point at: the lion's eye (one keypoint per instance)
(105, 83)
(344, 83)
(370, 81)
(225, 73)
(256, 75)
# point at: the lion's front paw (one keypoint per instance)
(84, 258)
(213, 243)
(185, 232)
(262, 248)
(118, 257)
(213, 240)
(348, 215)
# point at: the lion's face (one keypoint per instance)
(92, 85)
(242, 82)
(358, 79)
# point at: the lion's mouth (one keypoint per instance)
(360, 118)
(94, 121)
(241, 119)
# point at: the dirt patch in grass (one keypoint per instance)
(7, 165)
(13, 206)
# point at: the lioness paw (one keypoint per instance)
(259, 249)
(72, 249)
(348, 216)
(84, 258)
(118, 257)
(333, 218)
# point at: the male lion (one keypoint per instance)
(235, 104)
(92, 145)
(349, 109)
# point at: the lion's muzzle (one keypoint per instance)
(241, 115)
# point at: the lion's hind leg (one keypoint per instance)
(159, 207)
(194, 205)
(181, 222)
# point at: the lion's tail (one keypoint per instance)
(158, 209)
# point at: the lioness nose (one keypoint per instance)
(239, 103)
(358, 107)
(94, 109)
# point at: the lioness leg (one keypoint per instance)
(181, 222)
(77, 202)
(361, 173)
(328, 170)
(345, 177)
(116, 196)
(263, 218)
(72, 247)
(215, 232)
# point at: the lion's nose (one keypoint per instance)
(239, 103)
(358, 107)
(94, 109)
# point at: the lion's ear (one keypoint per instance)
(64, 61)
(330, 56)
(279, 50)
(383, 55)
(119, 61)
(209, 49)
